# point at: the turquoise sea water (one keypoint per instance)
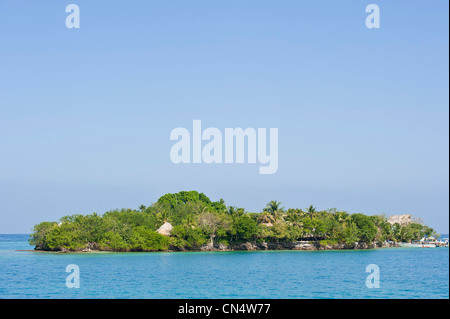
(404, 273)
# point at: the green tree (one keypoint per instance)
(37, 237)
(274, 208)
(311, 211)
(351, 233)
(366, 227)
(246, 228)
(144, 239)
(211, 223)
(65, 236)
(113, 241)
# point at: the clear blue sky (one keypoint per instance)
(85, 114)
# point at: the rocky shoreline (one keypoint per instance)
(296, 245)
(243, 246)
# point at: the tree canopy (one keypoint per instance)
(198, 221)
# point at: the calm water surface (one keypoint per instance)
(404, 273)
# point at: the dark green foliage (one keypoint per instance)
(366, 227)
(144, 239)
(187, 236)
(39, 231)
(246, 228)
(113, 241)
(66, 235)
(177, 199)
(197, 221)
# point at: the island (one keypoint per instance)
(190, 221)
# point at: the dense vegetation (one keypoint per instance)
(197, 221)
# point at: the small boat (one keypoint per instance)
(425, 242)
(417, 245)
(442, 243)
(429, 242)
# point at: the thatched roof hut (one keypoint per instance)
(403, 220)
(165, 229)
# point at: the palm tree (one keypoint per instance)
(189, 221)
(274, 208)
(341, 217)
(294, 216)
(163, 216)
(265, 218)
(142, 208)
(235, 212)
(311, 211)
(198, 208)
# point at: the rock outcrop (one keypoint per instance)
(295, 245)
